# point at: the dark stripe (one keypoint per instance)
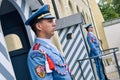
(78, 57)
(92, 78)
(62, 39)
(80, 75)
(23, 5)
(88, 74)
(3, 51)
(85, 66)
(65, 33)
(74, 29)
(5, 73)
(75, 64)
(73, 43)
(59, 32)
(83, 58)
(62, 32)
(74, 53)
(78, 68)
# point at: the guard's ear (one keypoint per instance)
(38, 26)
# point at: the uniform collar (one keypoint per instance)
(90, 32)
(46, 43)
(43, 42)
(46, 40)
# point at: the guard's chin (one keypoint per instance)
(53, 34)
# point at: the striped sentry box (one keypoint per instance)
(74, 48)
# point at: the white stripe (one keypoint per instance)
(87, 69)
(67, 48)
(2, 77)
(75, 68)
(7, 65)
(19, 2)
(76, 54)
(87, 66)
(62, 33)
(78, 74)
(71, 52)
(69, 45)
(82, 55)
(74, 71)
(60, 37)
(70, 31)
(90, 76)
(65, 40)
(26, 11)
(83, 65)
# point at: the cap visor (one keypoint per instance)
(49, 17)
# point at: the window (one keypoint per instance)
(13, 42)
(70, 36)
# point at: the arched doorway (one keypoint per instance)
(16, 39)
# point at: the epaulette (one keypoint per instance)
(36, 46)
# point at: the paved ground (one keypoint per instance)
(113, 75)
(111, 70)
(115, 79)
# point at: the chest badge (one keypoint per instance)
(40, 70)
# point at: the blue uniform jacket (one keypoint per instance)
(37, 63)
(94, 45)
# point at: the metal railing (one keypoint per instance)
(107, 52)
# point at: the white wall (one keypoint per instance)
(112, 33)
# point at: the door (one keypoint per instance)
(17, 43)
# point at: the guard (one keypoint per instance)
(95, 51)
(45, 61)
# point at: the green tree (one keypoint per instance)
(116, 4)
(108, 10)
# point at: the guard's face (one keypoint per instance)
(90, 29)
(47, 28)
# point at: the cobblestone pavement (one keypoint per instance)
(113, 76)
